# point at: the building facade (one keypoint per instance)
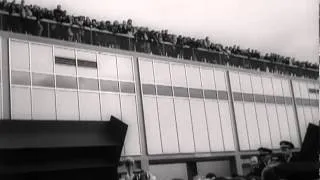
(184, 117)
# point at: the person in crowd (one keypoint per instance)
(58, 14)
(211, 176)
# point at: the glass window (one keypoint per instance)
(193, 77)
(288, 100)
(67, 105)
(89, 106)
(178, 75)
(256, 84)
(210, 94)
(222, 95)
(235, 82)
(164, 90)
(110, 106)
(21, 78)
(162, 73)
(248, 97)
(107, 65)
(277, 88)
(259, 98)
(87, 56)
(41, 58)
(111, 86)
(245, 82)
(146, 71)
(169, 171)
(195, 93)
(64, 52)
(220, 79)
(66, 82)
(280, 100)
(237, 96)
(180, 92)
(42, 80)
(149, 89)
(125, 70)
(127, 87)
(19, 55)
(65, 66)
(88, 84)
(270, 99)
(43, 104)
(207, 78)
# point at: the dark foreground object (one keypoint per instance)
(50, 150)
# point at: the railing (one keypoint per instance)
(93, 36)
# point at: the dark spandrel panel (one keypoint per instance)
(127, 87)
(180, 92)
(248, 97)
(65, 61)
(66, 82)
(45, 80)
(222, 95)
(109, 86)
(88, 84)
(237, 96)
(210, 94)
(314, 102)
(299, 101)
(270, 99)
(149, 89)
(21, 78)
(288, 100)
(88, 64)
(164, 90)
(195, 93)
(306, 102)
(259, 98)
(280, 100)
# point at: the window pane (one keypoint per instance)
(245, 82)
(19, 54)
(220, 79)
(67, 105)
(64, 52)
(125, 69)
(178, 75)
(259, 98)
(193, 77)
(210, 94)
(88, 84)
(280, 100)
(65, 66)
(21, 103)
(86, 55)
(66, 82)
(111, 86)
(196, 93)
(164, 90)
(207, 78)
(127, 87)
(87, 69)
(149, 89)
(107, 65)
(237, 96)
(162, 73)
(42, 80)
(180, 92)
(89, 106)
(43, 104)
(248, 97)
(146, 71)
(110, 106)
(222, 95)
(270, 99)
(41, 58)
(21, 78)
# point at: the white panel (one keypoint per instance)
(178, 75)
(308, 115)
(234, 81)
(241, 126)
(214, 125)
(19, 55)
(267, 86)
(43, 104)
(220, 79)
(245, 83)
(283, 122)
(304, 90)
(107, 65)
(207, 78)
(162, 73)
(67, 105)
(302, 121)
(256, 84)
(89, 106)
(21, 103)
(125, 68)
(110, 106)
(184, 125)
(86, 55)
(146, 72)
(130, 117)
(41, 58)
(263, 125)
(168, 125)
(286, 88)
(296, 89)
(64, 52)
(315, 115)
(193, 77)
(1, 108)
(87, 72)
(200, 131)
(152, 125)
(277, 88)
(252, 125)
(274, 125)
(226, 125)
(293, 126)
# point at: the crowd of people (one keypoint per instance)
(106, 33)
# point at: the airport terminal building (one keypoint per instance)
(184, 117)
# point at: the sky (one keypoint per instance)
(286, 27)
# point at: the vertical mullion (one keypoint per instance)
(77, 79)
(55, 82)
(30, 74)
(99, 86)
(255, 109)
